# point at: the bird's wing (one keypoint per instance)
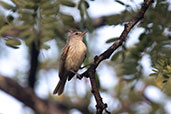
(62, 61)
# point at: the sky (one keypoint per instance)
(8, 67)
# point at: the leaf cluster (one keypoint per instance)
(162, 68)
(154, 41)
(41, 20)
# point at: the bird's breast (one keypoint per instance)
(75, 56)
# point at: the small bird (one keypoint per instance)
(73, 55)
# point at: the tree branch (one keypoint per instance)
(90, 72)
(41, 106)
(29, 98)
(100, 105)
(34, 53)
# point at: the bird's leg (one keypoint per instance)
(84, 66)
(78, 75)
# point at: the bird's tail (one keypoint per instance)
(60, 87)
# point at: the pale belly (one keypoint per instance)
(75, 56)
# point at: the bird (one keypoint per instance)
(73, 55)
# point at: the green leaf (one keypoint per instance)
(26, 34)
(44, 46)
(24, 27)
(46, 5)
(28, 4)
(79, 5)
(49, 12)
(97, 80)
(49, 34)
(49, 19)
(48, 26)
(165, 76)
(164, 81)
(18, 3)
(153, 74)
(89, 22)
(115, 56)
(10, 18)
(120, 2)
(2, 21)
(29, 40)
(169, 67)
(142, 36)
(86, 4)
(67, 3)
(46, 38)
(14, 43)
(5, 28)
(111, 40)
(5, 5)
(67, 19)
(154, 70)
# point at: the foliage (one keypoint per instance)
(162, 68)
(40, 21)
(154, 41)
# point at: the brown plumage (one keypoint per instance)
(72, 57)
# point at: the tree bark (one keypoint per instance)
(90, 72)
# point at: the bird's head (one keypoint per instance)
(75, 34)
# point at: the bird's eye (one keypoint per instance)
(76, 33)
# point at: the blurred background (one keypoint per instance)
(136, 78)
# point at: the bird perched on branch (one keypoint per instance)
(72, 57)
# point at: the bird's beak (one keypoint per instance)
(83, 33)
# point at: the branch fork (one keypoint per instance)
(90, 72)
